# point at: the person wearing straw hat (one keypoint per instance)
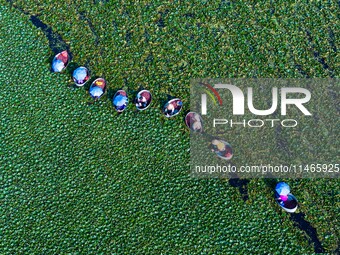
(282, 189)
(284, 198)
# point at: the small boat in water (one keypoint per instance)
(120, 100)
(143, 100)
(173, 107)
(290, 205)
(222, 149)
(194, 122)
(97, 88)
(80, 76)
(60, 61)
(284, 198)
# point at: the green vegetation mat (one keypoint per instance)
(77, 178)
